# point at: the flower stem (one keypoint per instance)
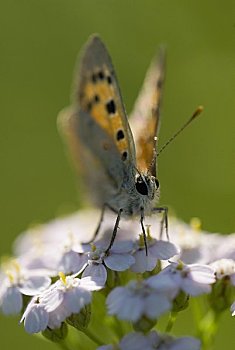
(207, 329)
(171, 321)
(64, 346)
(93, 337)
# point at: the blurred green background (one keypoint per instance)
(39, 42)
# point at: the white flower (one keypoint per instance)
(40, 242)
(17, 281)
(42, 253)
(80, 226)
(41, 258)
(68, 295)
(136, 300)
(153, 341)
(117, 259)
(65, 297)
(225, 248)
(196, 246)
(36, 247)
(157, 250)
(192, 279)
(224, 268)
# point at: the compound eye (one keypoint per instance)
(141, 186)
(157, 183)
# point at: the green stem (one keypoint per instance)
(93, 337)
(171, 321)
(196, 310)
(207, 329)
(119, 328)
(64, 346)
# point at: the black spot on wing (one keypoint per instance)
(159, 83)
(124, 155)
(120, 135)
(111, 107)
(109, 79)
(96, 98)
(97, 76)
(100, 75)
(89, 106)
(94, 78)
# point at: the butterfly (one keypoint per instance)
(120, 173)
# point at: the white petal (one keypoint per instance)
(232, 309)
(154, 339)
(194, 288)
(122, 247)
(52, 299)
(57, 316)
(35, 285)
(185, 343)
(202, 273)
(232, 279)
(115, 299)
(82, 248)
(141, 262)
(119, 262)
(164, 250)
(36, 320)
(132, 310)
(72, 262)
(123, 303)
(97, 273)
(91, 284)
(11, 301)
(75, 299)
(164, 283)
(4, 285)
(156, 305)
(135, 341)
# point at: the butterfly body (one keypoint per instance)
(119, 173)
(119, 187)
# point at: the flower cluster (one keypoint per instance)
(56, 274)
(154, 341)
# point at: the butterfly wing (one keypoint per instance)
(145, 117)
(96, 127)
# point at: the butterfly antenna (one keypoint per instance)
(152, 166)
(139, 173)
(195, 114)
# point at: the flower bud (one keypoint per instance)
(80, 321)
(144, 325)
(181, 302)
(56, 335)
(221, 296)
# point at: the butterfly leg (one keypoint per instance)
(114, 231)
(143, 230)
(99, 224)
(164, 220)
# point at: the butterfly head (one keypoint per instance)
(147, 185)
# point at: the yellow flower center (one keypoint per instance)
(62, 278)
(196, 224)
